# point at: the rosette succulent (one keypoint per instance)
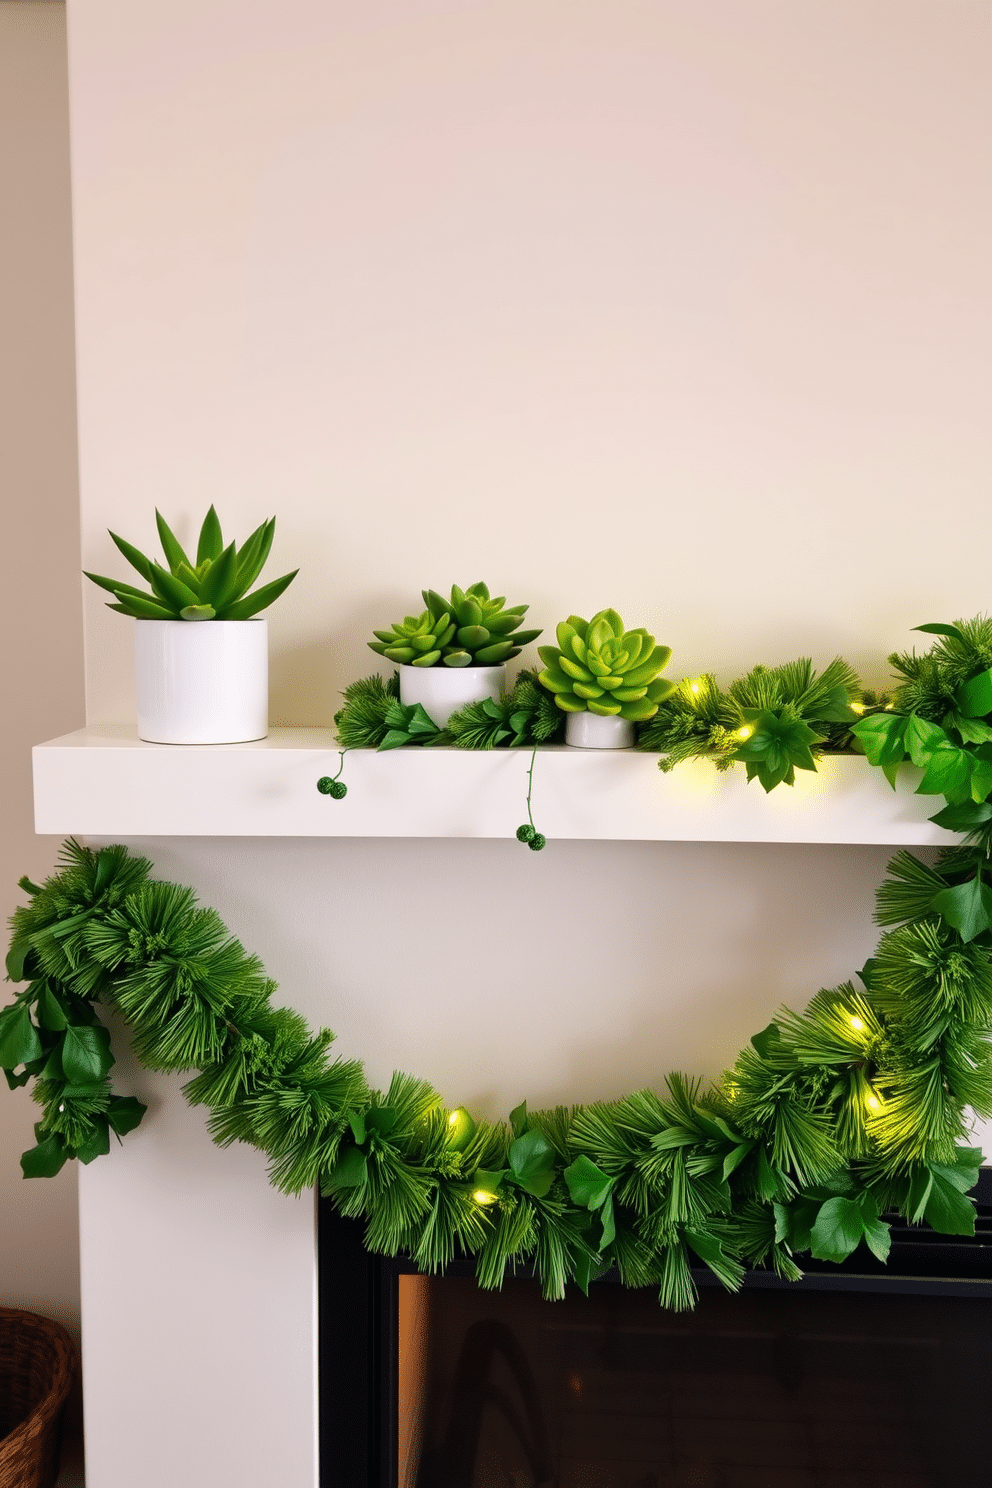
(599, 667)
(215, 587)
(469, 629)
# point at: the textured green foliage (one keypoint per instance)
(775, 719)
(599, 667)
(469, 629)
(829, 1120)
(361, 722)
(214, 587)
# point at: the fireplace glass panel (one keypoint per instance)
(788, 1388)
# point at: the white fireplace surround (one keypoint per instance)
(199, 1280)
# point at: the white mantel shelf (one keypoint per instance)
(104, 781)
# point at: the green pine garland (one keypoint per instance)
(827, 1121)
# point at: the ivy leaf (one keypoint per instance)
(971, 730)
(963, 1173)
(922, 738)
(86, 1054)
(421, 722)
(518, 1119)
(98, 1143)
(878, 1238)
(947, 1210)
(963, 816)
(609, 1224)
(49, 1010)
(882, 736)
(935, 627)
(381, 1119)
(19, 1040)
(124, 1113)
(350, 1171)
(47, 1159)
(588, 1187)
(768, 1041)
(974, 697)
(532, 1163)
(16, 957)
(838, 1229)
(948, 771)
(966, 907)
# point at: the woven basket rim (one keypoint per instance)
(24, 1450)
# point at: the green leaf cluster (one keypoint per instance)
(372, 718)
(828, 1122)
(775, 719)
(214, 587)
(469, 629)
(599, 667)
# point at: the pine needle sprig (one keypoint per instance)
(361, 722)
(908, 892)
(924, 979)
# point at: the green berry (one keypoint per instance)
(536, 841)
(336, 789)
(525, 833)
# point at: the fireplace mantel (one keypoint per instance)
(103, 780)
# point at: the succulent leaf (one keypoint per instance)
(211, 543)
(600, 667)
(215, 588)
(175, 593)
(469, 629)
(175, 554)
(136, 558)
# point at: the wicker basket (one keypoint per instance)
(37, 1362)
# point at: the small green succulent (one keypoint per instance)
(599, 667)
(470, 629)
(215, 587)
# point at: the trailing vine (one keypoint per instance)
(828, 1121)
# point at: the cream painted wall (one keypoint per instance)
(42, 683)
(678, 306)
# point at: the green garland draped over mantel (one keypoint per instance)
(828, 1121)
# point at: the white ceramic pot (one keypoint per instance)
(443, 690)
(593, 731)
(202, 681)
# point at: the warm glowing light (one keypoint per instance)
(694, 687)
(872, 1102)
(858, 1025)
(857, 707)
(745, 732)
(483, 1196)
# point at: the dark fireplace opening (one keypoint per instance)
(859, 1376)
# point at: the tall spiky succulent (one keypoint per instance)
(599, 667)
(215, 587)
(470, 629)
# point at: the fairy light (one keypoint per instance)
(857, 1024)
(483, 1197)
(694, 688)
(872, 1102)
(857, 707)
(461, 1129)
(745, 732)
